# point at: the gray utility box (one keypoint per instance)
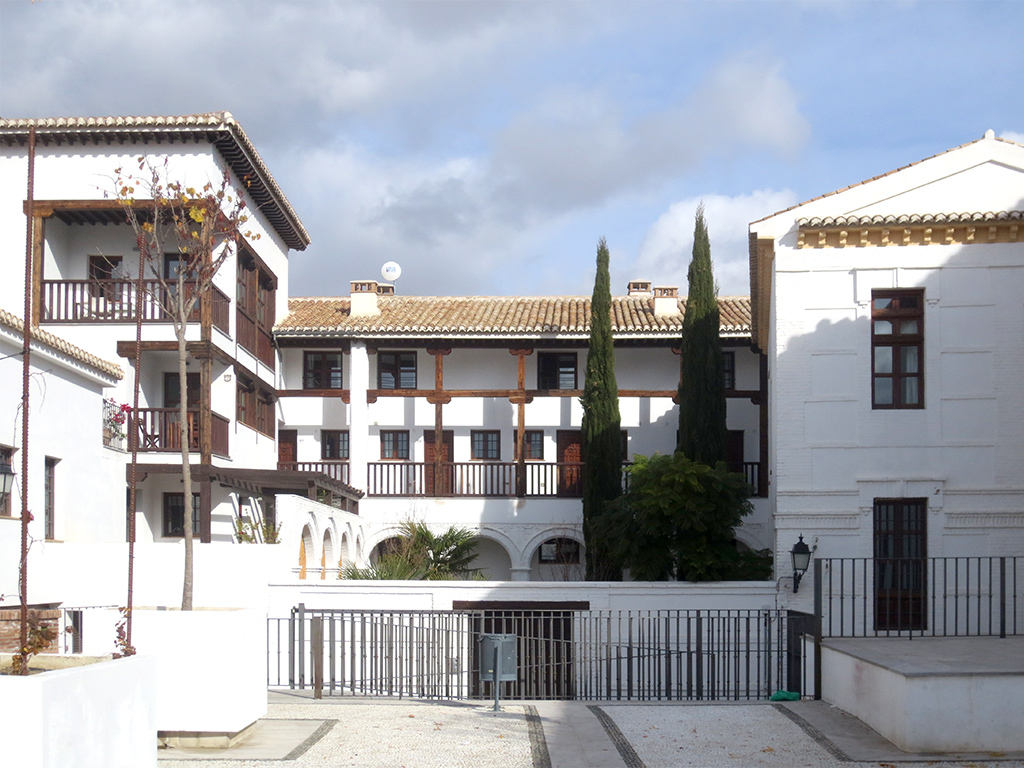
(508, 657)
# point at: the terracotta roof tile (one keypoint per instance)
(60, 345)
(484, 316)
(911, 219)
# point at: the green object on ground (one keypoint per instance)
(785, 696)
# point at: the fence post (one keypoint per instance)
(1002, 597)
(300, 653)
(817, 628)
(316, 647)
(291, 649)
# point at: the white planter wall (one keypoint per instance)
(100, 715)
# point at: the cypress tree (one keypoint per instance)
(601, 445)
(702, 432)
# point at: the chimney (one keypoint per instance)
(639, 288)
(364, 299)
(666, 301)
(385, 289)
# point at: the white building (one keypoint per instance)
(891, 315)
(84, 261)
(373, 382)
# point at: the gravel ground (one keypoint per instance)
(713, 736)
(414, 735)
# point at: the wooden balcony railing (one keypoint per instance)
(493, 479)
(159, 430)
(221, 310)
(254, 338)
(472, 478)
(220, 429)
(105, 301)
(336, 470)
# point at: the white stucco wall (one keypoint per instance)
(833, 454)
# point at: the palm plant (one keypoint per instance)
(420, 554)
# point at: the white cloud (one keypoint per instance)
(665, 253)
(1013, 136)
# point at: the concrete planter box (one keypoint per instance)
(100, 715)
(211, 671)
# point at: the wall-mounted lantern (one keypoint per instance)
(6, 481)
(801, 555)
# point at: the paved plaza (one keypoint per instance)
(391, 733)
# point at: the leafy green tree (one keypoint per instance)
(702, 431)
(601, 446)
(676, 520)
(418, 553)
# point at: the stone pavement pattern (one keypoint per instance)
(390, 733)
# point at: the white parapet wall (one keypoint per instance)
(100, 715)
(441, 595)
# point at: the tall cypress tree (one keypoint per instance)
(601, 445)
(702, 432)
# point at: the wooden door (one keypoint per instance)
(102, 268)
(901, 587)
(287, 446)
(446, 485)
(570, 462)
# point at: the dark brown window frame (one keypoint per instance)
(485, 444)
(550, 374)
(318, 372)
(334, 444)
(729, 369)
(49, 497)
(395, 364)
(566, 552)
(897, 340)
(396, 434)
(7, 455)
(168, 525)
(529, 436)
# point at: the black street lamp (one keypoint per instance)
(6, 481)
(801, 555)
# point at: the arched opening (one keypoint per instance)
(386, 547)
(558, 559)
(305, 550)
(492, 559)
(327, 555)
(344, 558)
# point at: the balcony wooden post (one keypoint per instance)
(520, 401)
(205, 508)
(440, 479)
(38, 237)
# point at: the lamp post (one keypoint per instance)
(801, 555)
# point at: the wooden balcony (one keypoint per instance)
(159, 430)
(487, 479)
(254, 338)
(114, 301)
(494, 479)
(336, 470)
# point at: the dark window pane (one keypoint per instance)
(883, 391)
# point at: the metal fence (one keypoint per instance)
(934, 597)
(562, 654)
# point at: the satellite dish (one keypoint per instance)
(391, 271)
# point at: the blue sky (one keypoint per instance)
(487, 146)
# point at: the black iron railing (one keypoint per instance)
(934, 597)
(562, 654)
